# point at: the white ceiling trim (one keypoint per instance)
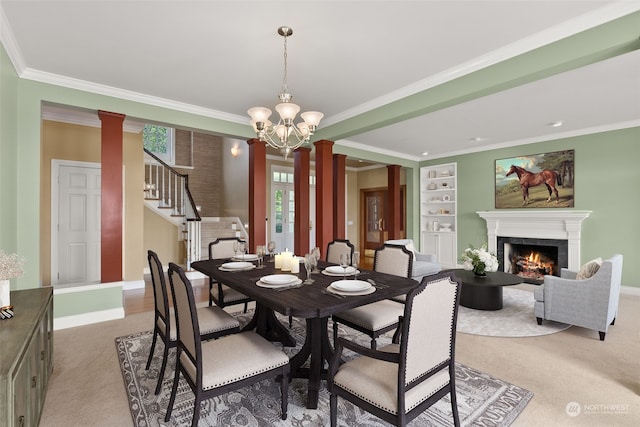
(535, 41)
(9, 42)
(542, 138)
(377, 150)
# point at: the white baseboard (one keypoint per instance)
(630, 290)
(133, 284)
(87, 318)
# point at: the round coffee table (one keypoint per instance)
(484, 293)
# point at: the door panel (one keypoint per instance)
(374, 218)
(78, 225)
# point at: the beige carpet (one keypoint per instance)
(86, 387)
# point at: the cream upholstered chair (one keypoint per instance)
(218, 366)
(379, 317)
(219, 293)
(400, 381)
(337, 248)
(590, 303)
(214, 322)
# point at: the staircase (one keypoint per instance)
(166, 192)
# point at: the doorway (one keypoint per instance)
(373, 217)
(75, 222)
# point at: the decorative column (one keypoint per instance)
(339, 196)
(257, 193)
(301, 168)
(111, 197)
(324, 197)
(394, 222)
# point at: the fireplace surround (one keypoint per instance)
(554, 224)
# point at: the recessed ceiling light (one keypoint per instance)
(556, 124)
(425, 153)
(477, 139)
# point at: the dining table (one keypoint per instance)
(315, 302)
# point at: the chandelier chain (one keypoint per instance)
(285, 87)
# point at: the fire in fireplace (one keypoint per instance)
(532, 259)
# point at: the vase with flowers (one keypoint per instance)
(11, 266)
(479, 260)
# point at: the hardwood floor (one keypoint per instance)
(141, 300)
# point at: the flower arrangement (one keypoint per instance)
(480, 260)
(10, 265)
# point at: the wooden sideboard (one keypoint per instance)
(26, 357)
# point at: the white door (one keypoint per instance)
(76, 234)
(283, 215)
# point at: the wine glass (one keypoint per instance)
(272, 248)
(260, 251)
(242, 248)
(355, 261)
(344, 263)
(316, 255)
(308, 265)
(236, 245)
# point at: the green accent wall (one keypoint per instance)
(607, 177)
(81, 302)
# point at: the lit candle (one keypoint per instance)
(278, 260)
(295, 265)
(5, 289)
(286, 261)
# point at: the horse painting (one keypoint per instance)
(530, 179)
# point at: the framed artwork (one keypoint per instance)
(536, 181)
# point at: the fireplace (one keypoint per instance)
(532, 259)
(531, 225)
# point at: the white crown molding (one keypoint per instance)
(9, 43)
(85, 119)
(535, 41)
(542, 138)
(382, 151)
(85, 86)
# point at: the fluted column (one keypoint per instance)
(339, 195)
(394, 221)
(301, 168)
(111, 198)
(257, 193)
(324, 194)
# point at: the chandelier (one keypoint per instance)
(285, 135)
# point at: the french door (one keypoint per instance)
(283, 215)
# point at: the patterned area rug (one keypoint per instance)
(516, 319)
(482, 400)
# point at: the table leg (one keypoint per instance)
(266, 324)
(317, 346)
(481, 297)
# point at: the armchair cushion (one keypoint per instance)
(423, 264)
(589, 269)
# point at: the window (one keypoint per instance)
(160, 141)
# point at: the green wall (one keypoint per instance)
(607, 177)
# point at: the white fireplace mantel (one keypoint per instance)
(537, 224)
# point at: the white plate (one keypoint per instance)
(351, 285)
(236, 265)
(341, 274)
(279, 279)
(246, 257)
(336, 269)
(281, 285)
(351, 294)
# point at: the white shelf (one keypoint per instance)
(442, 243)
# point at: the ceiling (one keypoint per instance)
(392, 77)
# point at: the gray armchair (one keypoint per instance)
(590, 303)
(423, 264)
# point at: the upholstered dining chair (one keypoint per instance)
(219, 293)
(214, 322)
(400, 381)
(379, 317)
(338, 247)
(218, 366)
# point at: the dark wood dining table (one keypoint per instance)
(309, 302)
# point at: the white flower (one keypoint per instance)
(10, 265)
(479, 260)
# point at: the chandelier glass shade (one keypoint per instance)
(285, 135)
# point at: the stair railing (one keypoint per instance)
(171, 189)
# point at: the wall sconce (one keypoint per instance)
(234, 151)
